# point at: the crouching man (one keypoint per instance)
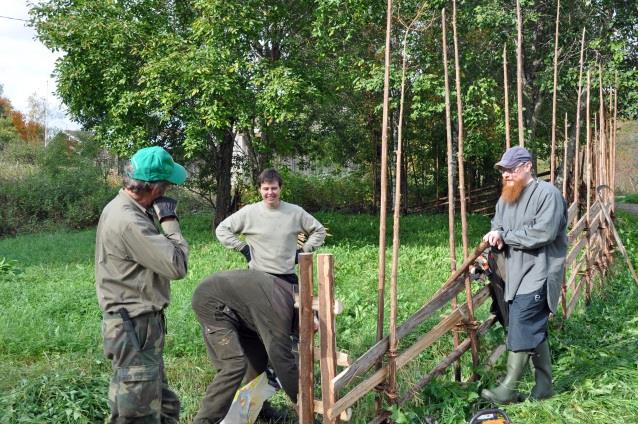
(247, 318)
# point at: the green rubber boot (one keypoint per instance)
(506, 391)
(542, 361)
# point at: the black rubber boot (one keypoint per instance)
(542, 361)
(270, 414)
(506, 391)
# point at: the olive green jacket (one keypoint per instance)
(134, 262)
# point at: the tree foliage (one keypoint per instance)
(305, 78)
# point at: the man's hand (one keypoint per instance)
(165, 207)
(494, 239)
(246, 252)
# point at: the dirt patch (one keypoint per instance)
(628, 207)
(627, 157)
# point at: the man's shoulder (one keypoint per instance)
(548, 188)
(120, 211)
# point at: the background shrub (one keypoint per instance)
(41, 188)
(348, 192)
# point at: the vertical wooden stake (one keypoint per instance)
(384, 187)
(305, 399)
(602, 143)
(553, 148)
(325, 275)
(565, 145)
(588, 166)
(450, 180)
(464, 229)
(613, 156)
(519, 73)
(576, 178)
(508, 142)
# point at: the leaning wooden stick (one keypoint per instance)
(621, 246)
(553, 148)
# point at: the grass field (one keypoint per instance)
(53, 371)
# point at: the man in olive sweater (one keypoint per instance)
(529, 226)
(134, 263)
(270, 228)
(247, 318)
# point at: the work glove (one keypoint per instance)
(165, 208)
(246, 252)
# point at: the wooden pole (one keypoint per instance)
(602, 142)
(553, 148)
(384, 181)
(450, 179)
(565, 145)
(578, 107)
(613, 157)
(306, 341)
(327, 329)
(464, 229)
(508, 142)
(588, 166)
(519, 74)
(391, 389)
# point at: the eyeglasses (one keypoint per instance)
(514, 170)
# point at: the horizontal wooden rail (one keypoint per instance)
(577, 229)
(439, 368)
(343, 360)
(338, 305)
(451, 288)
(572, 211)
(344, 416)
(575, 250)
(576, 294)
(419, 346)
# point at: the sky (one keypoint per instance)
(26, 65)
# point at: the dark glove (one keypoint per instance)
(165, 207)
(297, 255)
(246, 252)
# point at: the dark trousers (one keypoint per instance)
(528, 319)
(238, 355)
(139, 391)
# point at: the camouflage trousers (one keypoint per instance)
(139, 391)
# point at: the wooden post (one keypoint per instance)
(613, 156)
(306, 341)
(576, 178)
(565, 145)
(325, 276)
(519, 73)
(553, 148)
(588, 166)
(602, 143)
(508, 142)
(391, 384)
(450, 178)
(464, 229)
(384, 185)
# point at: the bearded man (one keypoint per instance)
(529, 228)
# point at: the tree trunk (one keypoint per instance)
(223, 175)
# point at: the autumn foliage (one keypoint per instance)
(29, 130)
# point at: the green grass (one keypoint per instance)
(631, 198)
(53, 369)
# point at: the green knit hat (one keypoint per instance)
(153, 164)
